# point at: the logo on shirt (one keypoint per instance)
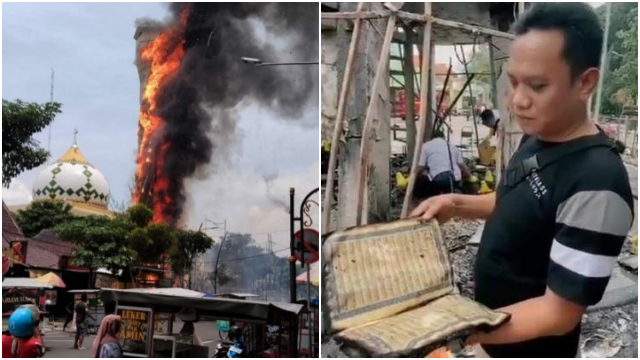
(536, 184)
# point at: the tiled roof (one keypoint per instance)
(46, 239)
(10, 230)
(46, 249)
(39, 256)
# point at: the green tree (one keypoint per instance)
(126, 243)
(43, 214)
(102, 242)
(624, 19)
(150, 243)
(626, 76)
(20, 121)
(189, 245)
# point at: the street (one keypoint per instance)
(60, 344)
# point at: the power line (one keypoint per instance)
(248, 257)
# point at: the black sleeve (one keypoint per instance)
(592, 223)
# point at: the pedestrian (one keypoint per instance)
(82, 312)
(441, 168)
(69, 309)
(564, 205)
(106, 343)
(48, 308)
(22, 340)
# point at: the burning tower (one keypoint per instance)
(192, 80)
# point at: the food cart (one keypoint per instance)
(147, 329)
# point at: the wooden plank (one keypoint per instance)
(339, 126)
(365, 146)
(377, 14)
(373, 14)
(471, 28)
(426, 59)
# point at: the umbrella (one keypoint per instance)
(52, 279)
(315, 277)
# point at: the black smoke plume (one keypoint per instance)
(197, 104)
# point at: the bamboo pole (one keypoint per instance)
(338, 126)
(426, 48)
(409, 91)
(365, 146)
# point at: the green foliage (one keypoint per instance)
(43, 214)
(120, 243)
(152, 242)
(626, 76)
(189, 245)
(620, 84)
(139, 215)
(102, 241)
(20, 121)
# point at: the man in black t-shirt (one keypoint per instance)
(551, 241)
(82, 312)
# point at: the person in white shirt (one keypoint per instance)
(440, 168)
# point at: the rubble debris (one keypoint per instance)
(603, 345)
(611, 332)
(629, 262)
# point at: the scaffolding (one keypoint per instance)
(407, 21)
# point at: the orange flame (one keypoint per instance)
(164, 57)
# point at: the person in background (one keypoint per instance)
(69, 310)
(106, 344)
(48, 308)
(189, 329)
(440, 168)
(82, 312)
(22, 339)
(491, 119)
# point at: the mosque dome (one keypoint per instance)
(72, 178)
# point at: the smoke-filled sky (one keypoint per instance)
(92, 50)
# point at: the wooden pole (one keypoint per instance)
(426, 48)
(338, 126)
(409, 91)
(365, 146)
(603, 62)
(494, 76)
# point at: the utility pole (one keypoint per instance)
(50, 124)
(215, 270)
(603, 62)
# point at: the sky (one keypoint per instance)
(91, 48)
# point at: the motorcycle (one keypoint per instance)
(232, 348)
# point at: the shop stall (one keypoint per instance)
(269, 329)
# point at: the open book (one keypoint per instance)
(388, 290)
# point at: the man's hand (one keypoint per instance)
(442, 207)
